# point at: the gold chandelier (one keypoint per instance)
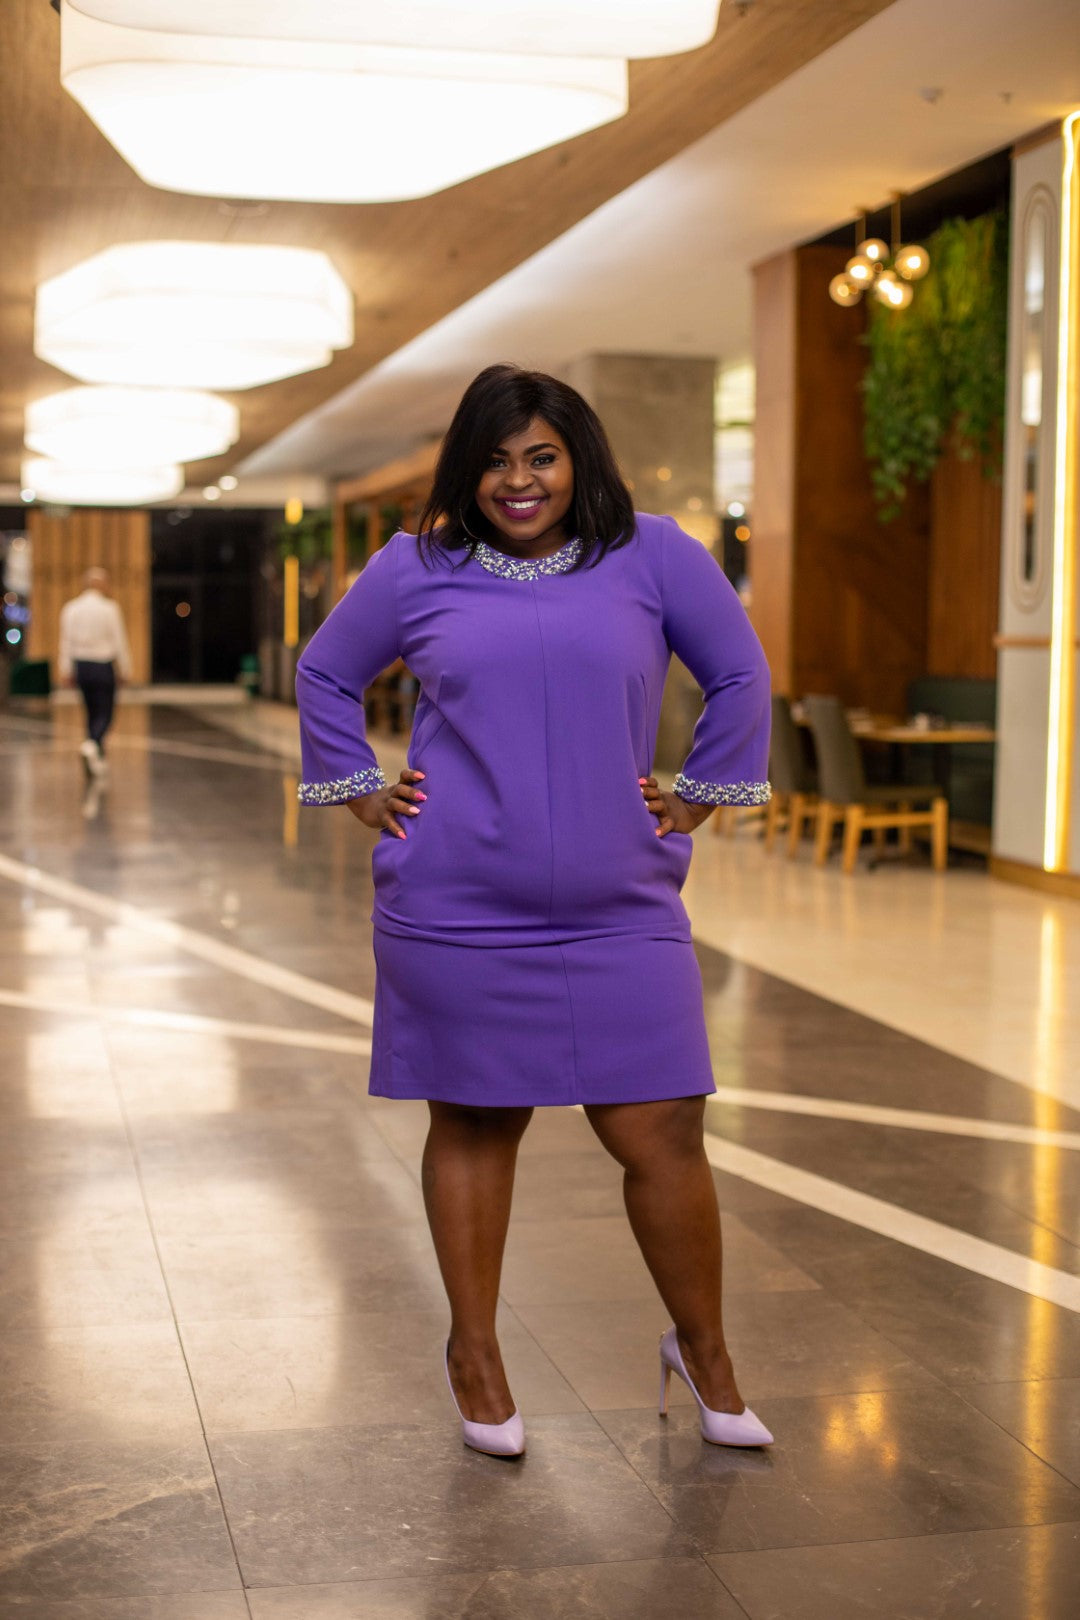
(870, 271)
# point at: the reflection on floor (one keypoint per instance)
(222, 1320)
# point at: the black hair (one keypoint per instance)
(498, 404)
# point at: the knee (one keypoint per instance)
(661, 1132)
(479, 1124)
(680, 1127)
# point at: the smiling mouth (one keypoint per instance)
(521, 509)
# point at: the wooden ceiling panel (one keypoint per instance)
(66, 194)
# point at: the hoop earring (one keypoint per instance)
(475, 538)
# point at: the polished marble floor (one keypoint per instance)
(222, 1322)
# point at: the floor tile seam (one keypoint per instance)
(880, 1541)
(224, 1437)
(1020, 1441)
(619, 1451)
(654, 1491)
(484, 1576)
(133, 1146)
(1012, 1383)
(929, 1537)
(1041, 1226)
(329, 1316)
(541, 1350)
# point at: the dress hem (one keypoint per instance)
(574, 1096)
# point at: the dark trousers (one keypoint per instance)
(97, 683)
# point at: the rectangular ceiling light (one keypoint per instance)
(323, 122)
(620, 28)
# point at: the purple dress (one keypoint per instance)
(530, 941)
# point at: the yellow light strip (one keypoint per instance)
(292, 602)
(1059, 761)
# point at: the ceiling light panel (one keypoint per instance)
(619, 28)
(193, 315)
(87, 486)
(130, 427)
(323, 122)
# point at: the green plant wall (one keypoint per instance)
(936, 370)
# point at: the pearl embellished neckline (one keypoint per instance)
(497, 562)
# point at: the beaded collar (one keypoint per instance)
(497, 562)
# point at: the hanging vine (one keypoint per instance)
(937, 369)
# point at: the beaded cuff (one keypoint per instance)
(497, 562)
(346, 787)
(721, 792)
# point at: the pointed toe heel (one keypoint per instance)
(493, 1439)
(718, 1428)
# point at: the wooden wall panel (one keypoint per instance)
(965, 569)
(860, 611)
(839, 598)
(64, 547)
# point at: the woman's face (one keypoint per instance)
(527, 489)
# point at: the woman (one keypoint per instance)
(530, 943)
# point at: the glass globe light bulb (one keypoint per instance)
(891, 291)
(912, 262)
(873, 248)
(861, 270)
(843, 291)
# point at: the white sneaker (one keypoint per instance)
(92, 755)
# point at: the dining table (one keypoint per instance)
(941, 739)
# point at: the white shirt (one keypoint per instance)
(92, 628)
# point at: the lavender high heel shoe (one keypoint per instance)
(493, 1439)
(718, 1428)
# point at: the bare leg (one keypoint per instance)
(671, 1202)
(468, 1178)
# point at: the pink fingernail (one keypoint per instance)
(422, 796)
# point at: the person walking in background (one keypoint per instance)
(95, 657)
(531, 946)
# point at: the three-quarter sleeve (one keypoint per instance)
(357, 641)
(706, 626)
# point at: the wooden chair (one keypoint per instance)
(794, 781)
(845, 795)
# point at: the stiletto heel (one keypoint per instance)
(493, 1439)
(718, 1428)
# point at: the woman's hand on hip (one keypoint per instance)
(382, 808)
(672, 813)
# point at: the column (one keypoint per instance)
(659, 414)
(1036, 824)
